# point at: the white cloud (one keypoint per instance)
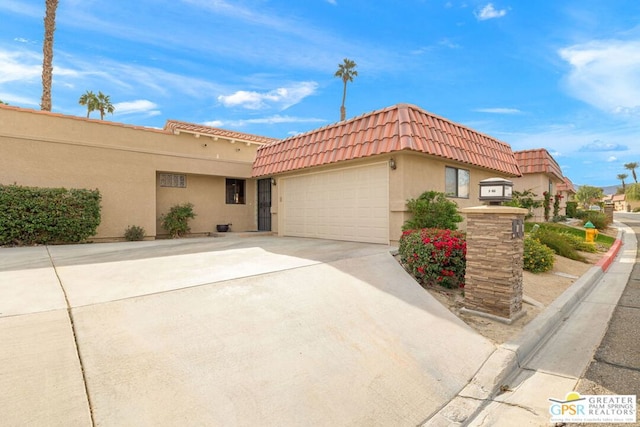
(19, 66)
(489, 12)
(276, 119)
(498, 110)
(138, 106)
(612, 159)
(281, 98)
(605, 74)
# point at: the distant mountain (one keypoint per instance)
(611, 189)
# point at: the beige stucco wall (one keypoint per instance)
(207, 194)
(415, 173)
(51, 150)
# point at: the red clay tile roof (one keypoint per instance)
(567, 186)
(396, 128)
(176, 127)
(538, 161)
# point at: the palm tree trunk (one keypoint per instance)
(47, 53)
(343, 110)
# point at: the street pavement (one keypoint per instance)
(550, 357)
(229, 331)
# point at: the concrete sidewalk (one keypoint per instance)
(549, 356)
(224, 331)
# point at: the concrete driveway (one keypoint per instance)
(226, 331)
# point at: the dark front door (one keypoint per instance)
(264, 204)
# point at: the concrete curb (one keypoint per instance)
(508, 357)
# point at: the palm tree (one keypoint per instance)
(103, 104)
(622, 177)
(346, 71)
(47, 53)
(632, 167)
(90, 100)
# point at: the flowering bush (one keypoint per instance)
(538, 257)
(434, 256)
(556, 204)
(546, 204)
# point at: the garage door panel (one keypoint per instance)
(348, 204)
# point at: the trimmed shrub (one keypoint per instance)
(571, 209)
(31, 215)
(134, 233)
(558, 244)
(598, 219)
(538, 258)
(432, 210)
(434, 256)
(176, 221)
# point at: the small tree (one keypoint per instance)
(346, 72)
(632, 166)
(588, 195)
(524, 199)
(103, 105)
(432, 210)
(633, 192)
(622, 177)
(89, 100)
(176, 220)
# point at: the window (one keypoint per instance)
(456, 182)
(235, 191)
(173, 180)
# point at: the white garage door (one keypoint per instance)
(347, 204)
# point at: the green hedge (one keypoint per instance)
(30, 215)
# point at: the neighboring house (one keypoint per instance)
(140, 172)
(351, 180)
(540, 174)
(620, 203)
(567, 191)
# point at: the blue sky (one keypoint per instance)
(561, 75)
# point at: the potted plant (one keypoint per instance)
(223, 228)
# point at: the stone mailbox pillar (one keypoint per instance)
(608, 212)
(495, 247)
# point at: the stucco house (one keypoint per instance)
(541, 173)
(140, 172)
(348, 180)
(620, 202)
